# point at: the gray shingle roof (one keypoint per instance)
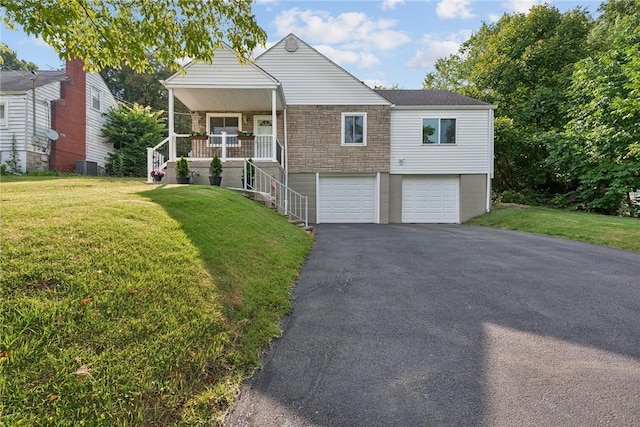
(418, 97)
(18, 81)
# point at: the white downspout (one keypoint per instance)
(285, 158)
(172, 137)
(490, 159)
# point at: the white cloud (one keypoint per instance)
(353, 29)
(390, 4)
(494, 17)
(435, 48)
(521, 6)
(372, 83)
(448, 9)
(344, 57)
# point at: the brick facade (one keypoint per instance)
(314, 140)
(69, 118)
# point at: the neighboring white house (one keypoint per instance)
(71, 103)
(19, 140)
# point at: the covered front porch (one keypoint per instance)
(237, 112)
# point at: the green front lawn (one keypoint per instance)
(618, 232)
(124, 303)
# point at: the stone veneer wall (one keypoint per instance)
(315, 144)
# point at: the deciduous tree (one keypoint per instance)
(109, 33)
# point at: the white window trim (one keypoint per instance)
(208, 127)
(364, 131)
(446, 144)
(99, 93)
(4, 123)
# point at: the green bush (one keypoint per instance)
(215, 167)
(131, 130)
(182, 168)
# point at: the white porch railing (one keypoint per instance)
(156, 159)
(288, 202)
(229, 147)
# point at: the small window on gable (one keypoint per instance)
(4, 114)
(438, 131)
(96, 99)
(354, 129)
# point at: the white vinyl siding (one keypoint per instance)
(16, 106)
(96, 98)
(97, 149)
(433, 199)
(223, 72)
(309, 78)
(347, 199)
(472, 152)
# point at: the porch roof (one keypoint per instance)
(225, 85)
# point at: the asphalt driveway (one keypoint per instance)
(417, 325)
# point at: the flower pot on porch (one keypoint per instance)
(183, 180)
(215, 180)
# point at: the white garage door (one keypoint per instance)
(430, 199)
(347, 199)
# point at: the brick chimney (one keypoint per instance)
(69, 119)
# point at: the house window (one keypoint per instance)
(220, 122)
(96, 99)
(438, 131)
(4, 114)
(354, 128)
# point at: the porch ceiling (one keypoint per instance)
(228, 99)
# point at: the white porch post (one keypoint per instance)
(172, 135)
(224, 146)
(274, 128)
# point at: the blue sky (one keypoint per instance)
(383, 42)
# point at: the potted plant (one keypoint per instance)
(215, 169)
(251, 171)
(183, 173)
(245, 135)
(199, 135)
(157, 175)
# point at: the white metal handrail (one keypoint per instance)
(288, 202)
(155, 159)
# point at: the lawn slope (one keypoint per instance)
(617, 232)
(128, 304)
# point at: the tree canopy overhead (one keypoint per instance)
(109, 33)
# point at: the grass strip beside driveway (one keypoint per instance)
(617, 232)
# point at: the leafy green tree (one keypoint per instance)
(601, 148)
(9, 60)
(145, 89)
(132, 130)
(524, 64)
(107, 33)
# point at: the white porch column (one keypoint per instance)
(274, 128)
(172, 135)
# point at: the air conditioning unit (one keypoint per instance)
(86, 167)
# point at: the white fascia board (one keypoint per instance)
(445, 107)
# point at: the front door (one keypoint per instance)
(262, 129)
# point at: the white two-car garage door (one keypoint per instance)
(430, 199)
(347, 199)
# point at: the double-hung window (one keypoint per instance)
(4, 114)
(438, 131)
(96, 99)
(217, 123)
(354, 129)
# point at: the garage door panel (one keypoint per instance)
(347, 199)
(430, 199)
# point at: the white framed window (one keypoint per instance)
(438, 131)
(354, 129)
(4, 114)
(230, 123)
(96, 98)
